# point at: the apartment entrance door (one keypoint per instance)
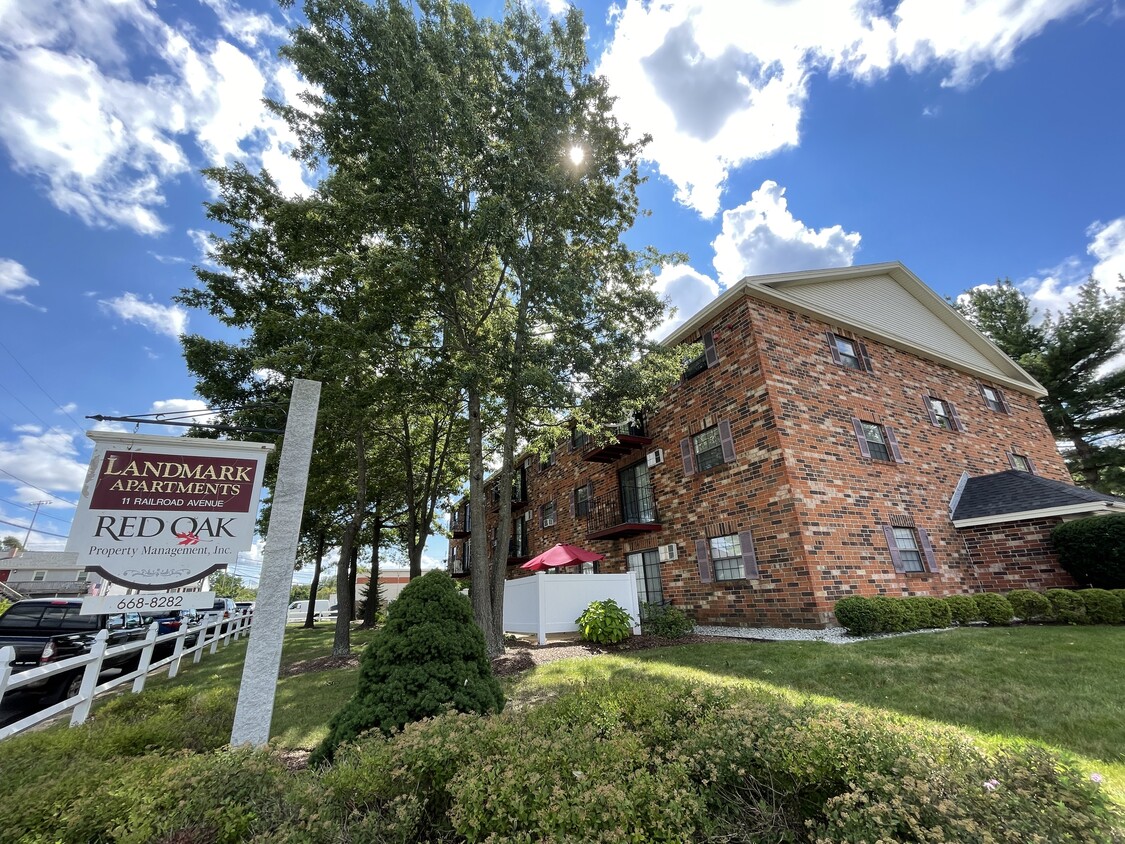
(637, 501)
(647, 566)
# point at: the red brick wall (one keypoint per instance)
(814, 505)
(1015, 555)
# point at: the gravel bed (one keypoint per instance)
(831, 635)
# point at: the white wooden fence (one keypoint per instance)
(208, 639)
(550, 603)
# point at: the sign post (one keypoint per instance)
(254, 711)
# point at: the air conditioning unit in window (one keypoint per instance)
(548, 523)
(655, 457)
(669, 552)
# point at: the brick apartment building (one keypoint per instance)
(845, 432)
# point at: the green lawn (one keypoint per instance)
(1058, 686)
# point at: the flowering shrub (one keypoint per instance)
(1028, 605)
(994, 608)
(605, 622)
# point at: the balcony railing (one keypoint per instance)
(627, 437)
(631, 511)
(47, 588)
(460, 525)
(519, 550)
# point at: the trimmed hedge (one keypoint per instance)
(862, 616)
(1093, 550)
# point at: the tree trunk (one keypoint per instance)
(479, 592)
(309, 622)
(353, 572)
(371, 602)
(342, 644)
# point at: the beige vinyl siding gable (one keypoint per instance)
(881, 302)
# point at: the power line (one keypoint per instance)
(53, 401)
(28, 528)
(33, 486)
(41, 515)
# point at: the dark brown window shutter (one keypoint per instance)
(892, 443)
(688, 455)
(954, 418)
(1030, 465)
(836, 359)
(892, 546)
(928, 551)
(726, 439)
(860, 437)
(929, 409)
(709, 352)
(749, 558)
(1003, 401)
(1011, 460)
(864, 358)
(702, 559)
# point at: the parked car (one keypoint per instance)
(221, 610)
(46, 630)
(245, 607)
(172, 622)
(298, 610)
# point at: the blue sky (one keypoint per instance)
(970, 140)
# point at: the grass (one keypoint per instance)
(1056, 686)
(304, 702)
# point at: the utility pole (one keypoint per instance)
(27, 536)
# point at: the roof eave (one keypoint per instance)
(1085, 507)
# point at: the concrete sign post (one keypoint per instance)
(254, 712)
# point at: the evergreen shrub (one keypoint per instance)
(891, 613)
(940, 613)
(1093, 550)
(428, 658)
(666, 621)
(605, 622)
(994, 609)
(962, 608)
(1102, 606)
(1066, 606)
(857, 615)
(1029, 605)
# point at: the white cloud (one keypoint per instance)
(69, 407)
(162, 319)
(105, 103)
(687, 291)
(41, 458)
(14, 277)
(192, 410)
(762, 236)
(722, 83)
(1055, 288)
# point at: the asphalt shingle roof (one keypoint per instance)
(1020, 492)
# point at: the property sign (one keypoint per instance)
(158, 512)
(149, 603)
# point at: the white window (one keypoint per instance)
(39, 576)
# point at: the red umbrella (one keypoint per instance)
(560, 556)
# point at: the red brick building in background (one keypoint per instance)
(845, 432)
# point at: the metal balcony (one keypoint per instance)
(629, 512)
(627, 437)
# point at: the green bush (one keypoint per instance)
(605, 622)
(428, 658)
(962, 608)
(994, 609)
(1102, 606)
(1093, 550)
(666, 621)
(891, 614)
(1066, 606)
(1029, 606)
(857, 615)
(1120, 593)
(940, 613)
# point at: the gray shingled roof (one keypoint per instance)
(1021, 492)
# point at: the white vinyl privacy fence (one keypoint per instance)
(206, 639)
(550, 603)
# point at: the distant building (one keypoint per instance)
(844, 432)
(51, 574)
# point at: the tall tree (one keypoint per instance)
(488, 157)
(1077, 356)
(307, 282)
